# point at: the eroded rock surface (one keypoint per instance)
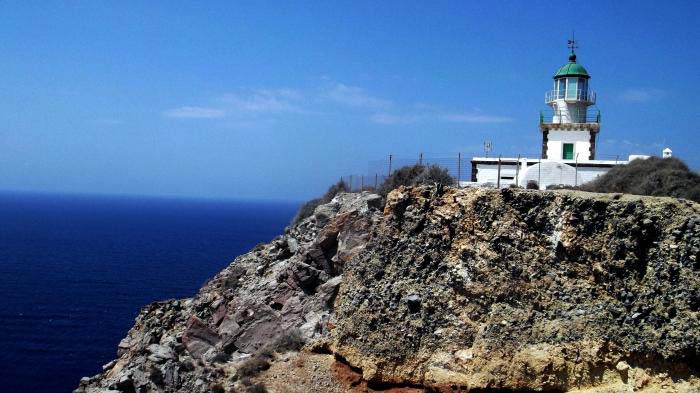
(445, 290)
(523, 290)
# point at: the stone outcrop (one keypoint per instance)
(444, 290)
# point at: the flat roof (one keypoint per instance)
(533, 161)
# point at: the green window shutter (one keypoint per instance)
(568, 151)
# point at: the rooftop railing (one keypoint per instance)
(569, 116)
(570, 95)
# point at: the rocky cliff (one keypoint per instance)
(444, 290)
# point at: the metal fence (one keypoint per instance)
(458, 165)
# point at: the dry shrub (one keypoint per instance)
(653, 176)
(253, 366)
(307, 209)
(257, 388)
(415, 175)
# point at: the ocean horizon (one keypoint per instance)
(77, 268)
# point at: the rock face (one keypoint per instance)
(445, 290)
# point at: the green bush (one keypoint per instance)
(415, 175)
(652, 176)
(307, 209)
(532, 185)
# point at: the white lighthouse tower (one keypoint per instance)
(569, 134)
(569, 131)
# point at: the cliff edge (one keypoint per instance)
(444, 290)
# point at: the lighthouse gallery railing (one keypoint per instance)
(570, 95)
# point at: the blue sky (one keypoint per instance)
(276, 100)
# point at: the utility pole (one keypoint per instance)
(459, 168)
(390, 157)
(498, 181)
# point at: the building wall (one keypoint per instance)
(555, 173)
(488, 173)
(588, 174)
(580, 138)
(546, 173)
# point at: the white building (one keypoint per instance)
(569, 139)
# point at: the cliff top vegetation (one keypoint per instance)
(653, 176)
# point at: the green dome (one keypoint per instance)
(572, 68)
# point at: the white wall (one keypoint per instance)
(488, 173)
(588, 174)
(580, 138)
(569, 112)
(545, 172)
(555, 173)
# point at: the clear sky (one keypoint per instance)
(277, 99)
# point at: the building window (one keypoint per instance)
(568, 151)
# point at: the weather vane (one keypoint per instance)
(572, 42)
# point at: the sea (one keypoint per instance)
(76, 269)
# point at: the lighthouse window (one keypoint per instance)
(571, 88)
(561, 87)
(583, 88)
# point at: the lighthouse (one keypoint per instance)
(569, 129)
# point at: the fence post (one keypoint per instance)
(517, 170)
(375, 182)
(390, 157)
(498, 181)
(539, 173)
(362, 183)
(459, 168)
(576, 172)
(420, 159)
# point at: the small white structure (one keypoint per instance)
(667, 153)
(569, 138)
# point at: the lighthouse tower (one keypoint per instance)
(569, 129)
(569, 133)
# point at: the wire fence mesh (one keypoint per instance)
(458, 165)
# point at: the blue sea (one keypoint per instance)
(75, 270)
